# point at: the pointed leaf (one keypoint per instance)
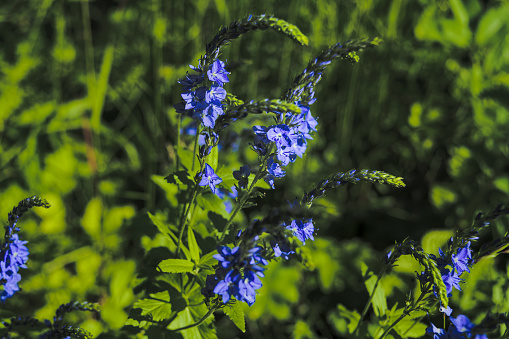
(176, 266)
(236, 314)
(158, 306)
(378, 301)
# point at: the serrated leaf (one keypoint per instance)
(191, 315)
(176, 266)
(236, 314)
(158, 306)
(194, 250)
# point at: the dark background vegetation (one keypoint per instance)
(86, 121)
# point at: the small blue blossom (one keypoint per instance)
(242, 176)
(218, 73)
(247, 287)
(190, 81)
(462, 260)
(227, 257)
(447, 311)
(208, 177)
(302, 229)
(228, 287)
(282, 248)
(463, 324)
(195, 99)
(435, 332)
(451, 279)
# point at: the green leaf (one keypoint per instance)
(213, 158)
(186, 158)
(432, 240)
(170, 190)
(378, 301)
(163, 227)
(236, 314)
(338, 319)
(158, 306)
(193, 245)
(211, 202)
(179, 178)
(217, 220)
(500, 94)
(491, 24)
(176, 266)
(207, 261)
(91, 220)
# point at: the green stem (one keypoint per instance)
(186, 210)
(405, 313)
(371, 295)
(208, 314)
(246, 195)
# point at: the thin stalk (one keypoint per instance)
(246, 195)
(187, 207)
(371, 295)
(405, 313)
(208, 314)
(182, 224)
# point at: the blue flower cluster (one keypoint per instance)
(204, 103)
(241, 267)
(452, 269)
(238, 274)
(290, 138)
(460, 328)
(14, 256)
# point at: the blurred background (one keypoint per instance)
(87, 122)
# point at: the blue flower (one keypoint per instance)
(218, 73)
(208, 177)
(242, 176)
(461, 261)
(196, 99)
(281, 248)
(463, 324)
(447, 310)
(190, 81)
(11, 285)
(451, 279)
(215, 94)
(14, 258)
(280, 134)
(247, 287)
(18, 252)
(435, 332)
(228, 257)
(228, 287)
(302, 229)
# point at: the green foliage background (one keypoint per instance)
(86, 121)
